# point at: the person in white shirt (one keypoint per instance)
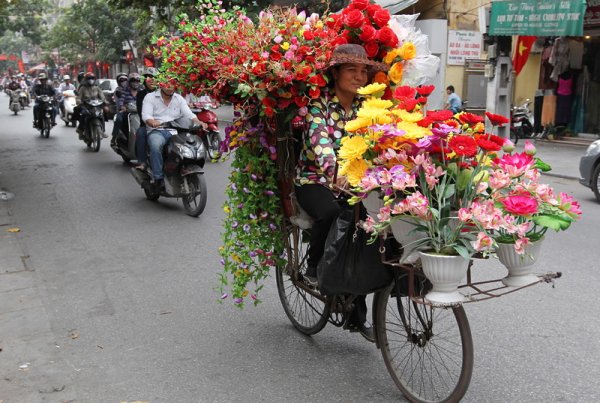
(159, 107)
(66, 85)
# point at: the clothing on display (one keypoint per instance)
(548, 110)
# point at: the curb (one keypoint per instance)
(562, 176)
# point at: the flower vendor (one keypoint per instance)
(349, 69)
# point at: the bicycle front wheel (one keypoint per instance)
(428, 351)
(307, 312)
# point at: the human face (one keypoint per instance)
(149, 82)
(167, 90)
(349, 77)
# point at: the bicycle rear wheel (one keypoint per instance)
(307, 312)
(428, 351)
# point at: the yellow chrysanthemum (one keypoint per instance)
(373, 135)
(354, 170)
(391, 55)
(374, 89)
(407, 116)
(407, 51)
(375, 116)
(356, 124)
(377, 103)
(413, 130)
(395, 73)
(479, 128)
(352, 148)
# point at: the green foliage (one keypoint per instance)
(92, 30)
(27, 18)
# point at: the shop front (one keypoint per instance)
(564, 79)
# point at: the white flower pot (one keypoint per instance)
(520, 267)
(372, 204)
(445, 273)
(401, 230)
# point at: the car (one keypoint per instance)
(108, 87)
(589, 168)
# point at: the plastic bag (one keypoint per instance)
(349, 265)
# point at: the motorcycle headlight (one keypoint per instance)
(593, 148)
(186, 152)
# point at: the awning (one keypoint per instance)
(41, 66)
(537, 18)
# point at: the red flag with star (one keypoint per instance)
(524, 45)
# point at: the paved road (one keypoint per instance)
(106, 297)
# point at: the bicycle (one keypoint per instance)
(427, 349)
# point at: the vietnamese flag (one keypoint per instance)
(21, 66)
(524, 44)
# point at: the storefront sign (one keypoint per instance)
(592, 14)
(537, 18)
(463, 45)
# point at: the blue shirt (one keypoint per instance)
(454, 102)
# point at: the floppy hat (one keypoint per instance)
(354, 53)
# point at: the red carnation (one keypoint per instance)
(354, 18)
(372, 48)
(463, 145)
(425, 90)
(408, 104)
(387, 37)
(368, 33)
(381, 17)
(425, 122)
(441, 115)
(359, 4)
(470, 118)
(496, 120)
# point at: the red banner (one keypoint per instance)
(21, 66)
(3, 57)
(524, 44)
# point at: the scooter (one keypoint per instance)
(210, 136)
(184, 157)
(15, 105)
(125, 141)
(45, 110)
(93, 123)
(68, 106)
(23, 99)
(521, 122)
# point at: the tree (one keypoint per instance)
(92, 30)
(25, 18)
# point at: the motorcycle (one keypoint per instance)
(184, 157)
(68, 106)
(45, 110)
(125, 141)
(15, 105)
(521, 122)
(23, 99)
(93, 123)
(210, 136)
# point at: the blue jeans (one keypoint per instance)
(141, 138)
(157, 140)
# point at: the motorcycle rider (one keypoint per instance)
(43, 88)
(141, 134)
(66, 85)
(13, 86)
(87, 90)
(126, 93)
(159, 107)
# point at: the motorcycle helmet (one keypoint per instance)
(135, 77)
(121, 78)
(151, 72)
(66, 77)
(89, 78)
(43, 76)
(80, 76)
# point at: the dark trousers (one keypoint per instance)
(320, 203)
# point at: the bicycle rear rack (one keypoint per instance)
(480, 291)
